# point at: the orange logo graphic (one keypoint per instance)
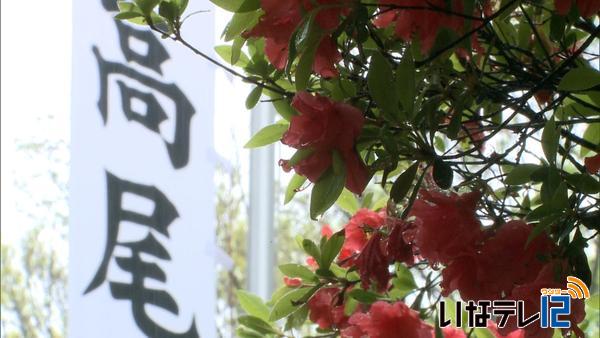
(576, 288)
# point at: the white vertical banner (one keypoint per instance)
(142, 225)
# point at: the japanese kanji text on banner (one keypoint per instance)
(142, 215)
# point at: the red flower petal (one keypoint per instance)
(398, 249)
(446, 225)
(324, 309)
(563, 6)
(386, 320)
(292, 282)
(325, 126)
(592, 164)
(326, 231)
(373, 264)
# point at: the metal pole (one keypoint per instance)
(261, 239)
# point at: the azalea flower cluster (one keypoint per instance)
(427, 99)
(416, 20)
(425, 19)
(322, 127)
(410, 18)
(443, 230)
(282, 18)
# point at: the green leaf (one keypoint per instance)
(550, 184)
(300, 155)
(253, 97)
(341, 89)
(481, 332)
(125, 6)
(295, 183)
(442, 174)
(560, 201)
(244, 332)
(169, 11)
(181, 4)
(128, 15)
(338, 271)
(594, 302)
(438, 330)
(328, 188)
(240, 22)
(348, 202)
(367, 201)
(521, 174)
(249, 5)
(506, 32)
(236, 50)
(309, 50)
(591, 134)
(455, 122)
(350, 306)
(147, 6)
(257, 324)
(284, 109)
(578, 79)
(544, 224)
(580, 260)
(277, 294)
(297, 271)
(584, 183)
(267, 135)
(363, 296)
(226, 53)
(331, 249)
(287, 304)
(380, 203)
(583, 108)
(550, 138)
(304, 41)
(404, 278)
(540, 174)
(406, 83)
(252, 304)
(382, 86)
(237, 5)
(540, 212)
(403, 183)
(525, 33)
(144, 18)
(312, 249)
(304, 33)
(296, 319)
(557, 27)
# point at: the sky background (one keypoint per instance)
(36, 72)
(35, 109)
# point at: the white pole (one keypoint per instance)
(261, 237)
